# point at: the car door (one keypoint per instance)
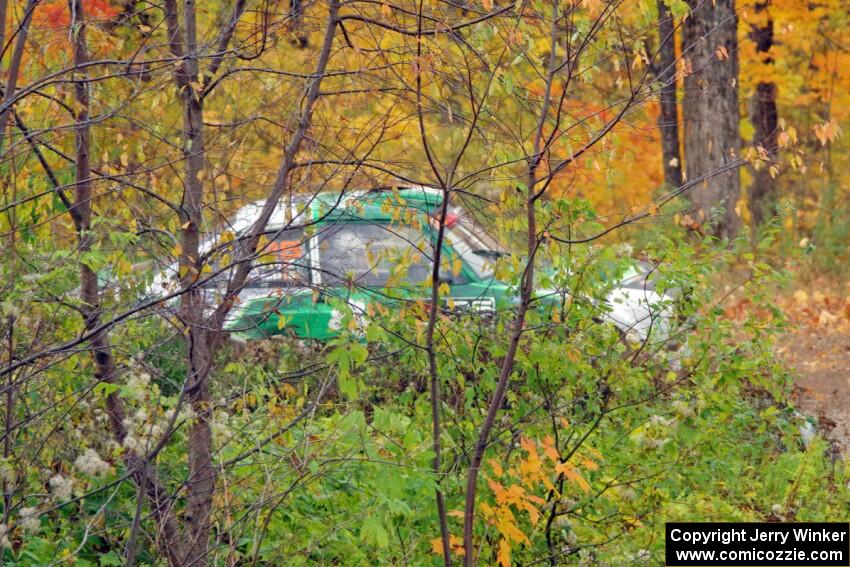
(279, 298)
(362, 261)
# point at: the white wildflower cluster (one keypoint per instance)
(143, 431)
(626, 492)
(781, 512)
(61, 488)
(566, 527)
(640, 556)
(4, 536)
(656, 433)
(91, 464)
(662, 421)
(684, 409)
(100, 416)
(28, 520)
(7, 472)
(10, 309)
(586, 557)
(186, 414)
(138, 385)
(563, 522)
(220, 428)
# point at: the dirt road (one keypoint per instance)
(817, 349)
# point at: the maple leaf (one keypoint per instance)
(531, 466)
(572, 475)
(589, 464)
(504, 556)
(827, 132)
(506, 525)
(550, 450)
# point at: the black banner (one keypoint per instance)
(695, 544)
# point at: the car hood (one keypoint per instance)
(639, 313)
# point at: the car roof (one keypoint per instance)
(377, 204)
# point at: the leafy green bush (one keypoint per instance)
(324, 451)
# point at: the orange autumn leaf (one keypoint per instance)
(588, 464)
(504, 556)
(54, 14)
(532, 465)
(455, 542)
(550, 449)
(572, 475)
(506, 524)
(497, 468)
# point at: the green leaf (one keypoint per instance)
(342, 358)
(359, 353)
(105, 388)
(373, 532)
(111, 559)
(347, 386)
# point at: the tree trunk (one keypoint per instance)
(200, 339)
(765, 119)
(710, 111)
(14, 63)
(668, 118)
(200, 485)
(143, 472)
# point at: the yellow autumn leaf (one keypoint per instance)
(497, 468)
(573, 476)
(550, 450)
(504, 556)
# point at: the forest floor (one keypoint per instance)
(821, 362)
(816, 348)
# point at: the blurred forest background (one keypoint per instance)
(703, 136)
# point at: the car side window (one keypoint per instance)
(284, 261)
(373, 254)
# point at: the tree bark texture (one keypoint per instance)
(668, 118)
(91, 309)
(765, 119)
(710, 110)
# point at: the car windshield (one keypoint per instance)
(478, 248)
(373, 254)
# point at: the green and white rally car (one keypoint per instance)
(377, 246)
